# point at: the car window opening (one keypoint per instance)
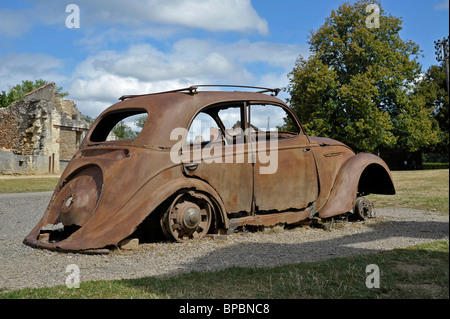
(268, 121)
(119, 126)
(218, 125)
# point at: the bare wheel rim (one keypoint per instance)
(189, 217)
(363, 208)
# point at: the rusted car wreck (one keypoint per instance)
(205, 162)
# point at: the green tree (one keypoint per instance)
(432, 93)
(123, 131)
(356, 84)
(6, 98)
(88, 119)
(140, 121)
(17, 92)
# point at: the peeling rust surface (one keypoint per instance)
(112, 190)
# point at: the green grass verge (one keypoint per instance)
(416, 272)
(435, 165)
(425, 189)
(26, 185)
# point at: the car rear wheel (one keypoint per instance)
(363, 208)
(188, 217)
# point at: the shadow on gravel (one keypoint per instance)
(274, 254)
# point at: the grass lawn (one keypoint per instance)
(425, 189)
(26, 185)
(416, 272)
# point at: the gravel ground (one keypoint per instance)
(22, 266)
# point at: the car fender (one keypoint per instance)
(362, 173)
(123, 223)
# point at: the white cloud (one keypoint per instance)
(136, 18)
(275, 54)
(146, 63)
(16, 68)
(94, 95)
(94, 40)
(442, 6)
(211, 15)
(13, 23)
(105, 76)
(138, 15)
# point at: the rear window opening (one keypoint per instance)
(119, 125)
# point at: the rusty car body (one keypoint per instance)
(188, 185)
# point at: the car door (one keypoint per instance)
(216, 152)
(285, 175)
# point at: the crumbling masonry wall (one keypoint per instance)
(40, 133)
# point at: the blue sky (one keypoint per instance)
(140, 46)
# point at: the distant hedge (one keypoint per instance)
(434, 165)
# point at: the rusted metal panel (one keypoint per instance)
(268, 220)
(344, 190)
(223, 170)
(111, 187)
(294, 184)
(171, 110)
(329, 156)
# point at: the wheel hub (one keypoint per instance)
(188, 217)
(363, 208)
(191, 217)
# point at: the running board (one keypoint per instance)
(268, 220)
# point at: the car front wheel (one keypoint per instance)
(363, 208)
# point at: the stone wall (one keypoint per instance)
(38, 131)
(68, 142)
(10, 137)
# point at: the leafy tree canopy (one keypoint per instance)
(17, 92)
(356, 86)
(123, 131)
(432, 93)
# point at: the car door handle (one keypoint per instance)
(306, 150)
(191, 167)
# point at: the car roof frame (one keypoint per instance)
(193, 89)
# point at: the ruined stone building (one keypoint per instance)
(40, 133)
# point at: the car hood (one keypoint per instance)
(325, 141)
